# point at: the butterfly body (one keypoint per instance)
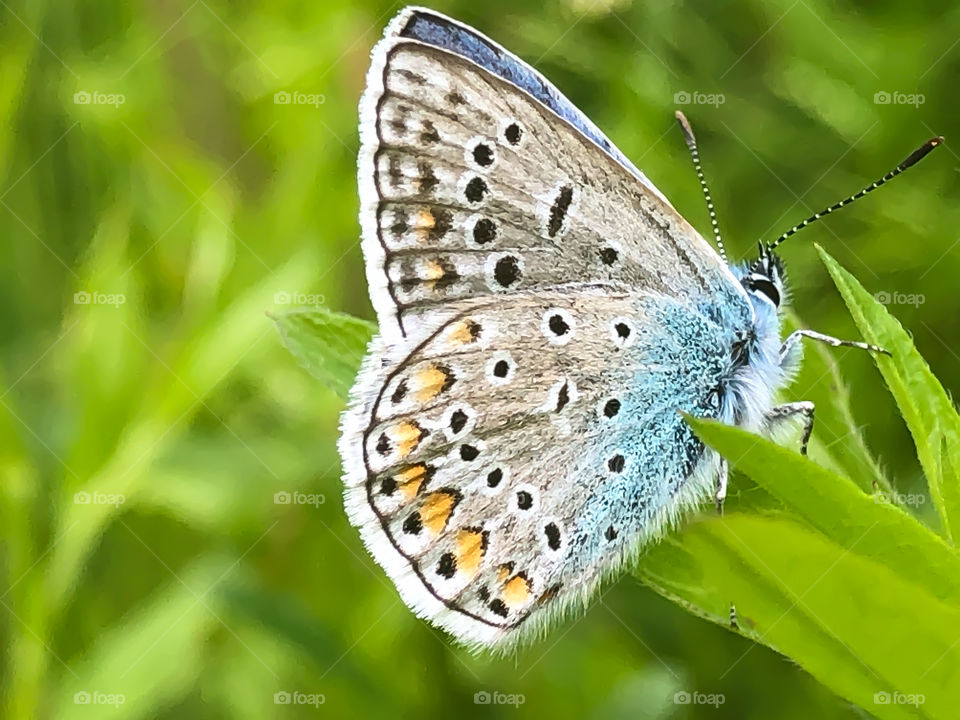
(516, 434)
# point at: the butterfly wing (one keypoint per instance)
(478, 178)
(527, 447)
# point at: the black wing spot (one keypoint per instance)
(524, 500)
(468, 453)
(609, 256)
(611, 408)
(388, 485)
(499, 607)
(558, 326)
(610, 534)
(400, 392)
(476, 189)
(412, 525)
(513, 133)
(563, 397)
(623, 330)
(442, 222)
(558, 211)
(507, 271)
(383, 444)
(501, 368)
(494, 477)
(458, 420)
(484, 231)
(483, 155)
(616, 463)
(553, 536)
(447, 567)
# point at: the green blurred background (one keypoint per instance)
(156, 202)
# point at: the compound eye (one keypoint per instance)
(767, 287)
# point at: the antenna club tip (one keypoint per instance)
(933, 142)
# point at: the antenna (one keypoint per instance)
(695, 154)
(915, 157)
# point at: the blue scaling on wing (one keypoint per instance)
(444, 33)
(657, 456)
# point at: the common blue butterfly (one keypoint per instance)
(513, 436)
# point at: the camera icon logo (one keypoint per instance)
(681, 98)
(281, 698)
(282, 498)
(881, 98)
(481, 698)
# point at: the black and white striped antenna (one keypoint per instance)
(915, 157)
(695, 154)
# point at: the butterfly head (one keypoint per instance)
(763, 279)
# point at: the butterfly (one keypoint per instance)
(515, 436)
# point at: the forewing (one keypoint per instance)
(527, 447)
(472, 187)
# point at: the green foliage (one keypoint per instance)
(330, 345)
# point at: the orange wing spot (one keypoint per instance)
(517, 591)
(410, 480)
(407, 436)
(425, 221)
(436, 510)
(434, 272)
(463, 332)
(431, 381)
(503, 572)
(471, 546)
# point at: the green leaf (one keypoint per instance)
(833, 505)
(858, 626)
(330, 345)
(926, 408)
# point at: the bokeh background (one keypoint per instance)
(156, 201)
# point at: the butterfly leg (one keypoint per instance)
(787, 349)
(722, 477)
(789, 411)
